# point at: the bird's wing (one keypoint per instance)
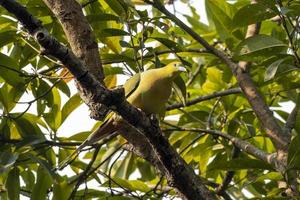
(105, 129)
(131, 84)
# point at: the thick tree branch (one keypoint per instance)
(261, 109)
(79, 34)
(177, 172)
(82, 42)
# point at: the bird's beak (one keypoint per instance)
(182, 68)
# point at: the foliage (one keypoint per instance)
(140, 37)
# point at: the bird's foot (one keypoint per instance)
(154, 120)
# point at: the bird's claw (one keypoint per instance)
(154, 120)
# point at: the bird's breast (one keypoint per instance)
(151, 96)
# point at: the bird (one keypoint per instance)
(148, 91)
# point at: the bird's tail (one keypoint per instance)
(107, 128)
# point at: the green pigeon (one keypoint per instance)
(149, 91)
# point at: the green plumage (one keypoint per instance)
(148, 91)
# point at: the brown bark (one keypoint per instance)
(82, 42)
(179, 174)
(78, 33)
(268, 121)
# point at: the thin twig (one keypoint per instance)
(243, 145)
(83, 175)
(194, 75)
(204, 98)
(157, 53)
(229, 174)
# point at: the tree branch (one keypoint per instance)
(241, 144)
(178, 173)
(261, 109)
(229, 174)
(158, 53)
(205, 98)
(194, 75)
(82, 42)
(291, 120)
(79, 34)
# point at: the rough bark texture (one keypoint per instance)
(78, 33)
(82, 43)
(81, 40)
(262, 111)
(178, 173)
(259, 106)
(266, 117)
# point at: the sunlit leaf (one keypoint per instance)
(13, 184)
(258, 13)
(10, 71)
(42, 184)
(258, 45)
(70, 106)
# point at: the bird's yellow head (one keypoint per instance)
(175, 68)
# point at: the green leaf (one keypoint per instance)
(53, 117)
(70, 106)
(193, 116)
(115, 58)
(120, 182)
(272, 69)
(125, 167)
(43, 183)
(197, 24)
(44, 96)
(258, 13)
(216, 10)
(111, 32)
(7, 24)
(28, 178)
(233, 115)
(7, 37)
(294, 153)
(168, 43)
(213, 81)
(9, 96)
(80, 136)
(7, 159)
(257, 45)
(274, 176)
(94, 193)
(138, 185)
(102, 17)
(110, 70)
(10, 71)
(63, 87)
(13, 184)
(239, 164)
(125, 44)
(180, 88)
(116, 6)
(27, 127)
(293, 10)
(116, 198)
(28, 142)
(61, 189)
